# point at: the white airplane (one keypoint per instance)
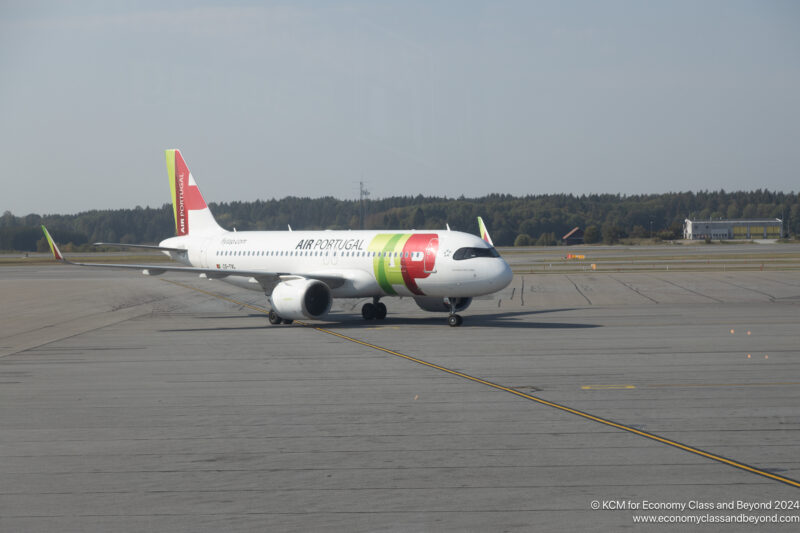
(302, 271)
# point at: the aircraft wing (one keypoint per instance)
(267, 279)
(144, 246)
(154, 270)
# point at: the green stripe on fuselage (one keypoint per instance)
(388, 269)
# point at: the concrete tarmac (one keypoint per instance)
(130, 403)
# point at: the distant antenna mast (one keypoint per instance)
(363, 193)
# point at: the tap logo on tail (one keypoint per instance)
(185, 193)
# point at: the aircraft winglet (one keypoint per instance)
(53, 248)
(484, 232)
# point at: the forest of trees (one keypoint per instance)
(512, 220)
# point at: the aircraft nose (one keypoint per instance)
(504, 275)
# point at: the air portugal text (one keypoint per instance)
(330, 244)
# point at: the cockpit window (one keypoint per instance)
(469, 253)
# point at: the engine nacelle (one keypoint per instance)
(301, 298)
(441, 305)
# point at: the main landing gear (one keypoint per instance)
(374, 310)
(275, 319)
(454, 320)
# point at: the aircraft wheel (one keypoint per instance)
(368, 311)
(454, 320)
(286, 321)
(274, 318)
(380, 311)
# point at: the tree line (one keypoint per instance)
(512, 220)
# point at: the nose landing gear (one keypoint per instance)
(454, 320)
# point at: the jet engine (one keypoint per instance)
(441, 305)
(301, 298)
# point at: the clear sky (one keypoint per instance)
(436, 98)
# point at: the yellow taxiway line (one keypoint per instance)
(541, 401)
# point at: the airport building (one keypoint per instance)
(754, 228)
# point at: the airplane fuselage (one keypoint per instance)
(373, 263)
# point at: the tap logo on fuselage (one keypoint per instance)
(403, 258)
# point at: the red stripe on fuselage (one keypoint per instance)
(413, 270)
